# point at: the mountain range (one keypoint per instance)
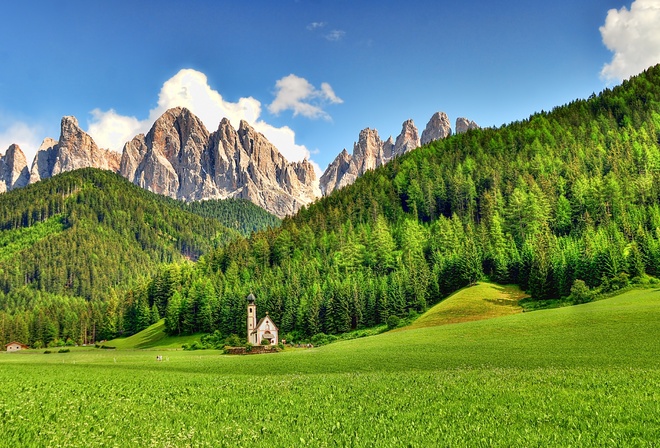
(181, 159)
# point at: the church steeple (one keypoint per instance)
(251, 318)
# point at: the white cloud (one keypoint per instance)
(315, 25)
(330, 94)
(111, 130)
(299, 95)
(634, 37)
(335, 35)
(27, 137)
(190, 89)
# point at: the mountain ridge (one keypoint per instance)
(178, 158)
(181, 159)
(370, 152)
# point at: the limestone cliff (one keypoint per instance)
(437, 128)
(13, 169)
(181, 159)
(369, 152)
(464, 125)
(75, 149)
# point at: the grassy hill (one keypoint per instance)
(477, 302)
(587, 375)
(152, 337)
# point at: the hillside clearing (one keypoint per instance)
(152, 337)
(481, 301)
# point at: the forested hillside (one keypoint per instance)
(237, 214)
(566, 195)
(70, 243)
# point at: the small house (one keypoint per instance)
(15, 346)
(265, 329)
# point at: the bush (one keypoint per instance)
(292, 336)
(234, 341)
(265, 342)
(196, 345)
(393, 322)
(213, 340)
(580, 292)
(620, 281)
(56, 343)
(323, 339)
(47, 352)
(63, 350)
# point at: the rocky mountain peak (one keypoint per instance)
(437, 128)
(181, 159)
(13, 169)
(75, 149)
(370, 152)
(368, 149)
(464, 125)
(336, 171)
(407, 140)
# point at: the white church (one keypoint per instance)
(258, 331)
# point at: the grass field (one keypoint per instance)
(587, 375)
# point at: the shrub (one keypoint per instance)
(620, 281)
(265, 342)
(63, 350)
(320, 339)
(393, 322)
(234, 341)
(580, 292)
(195, 345)
(214, 340)
(56, 343)
(292, 336)
(47, 352)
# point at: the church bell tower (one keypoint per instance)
(251, 317)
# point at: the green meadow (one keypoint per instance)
(586, 375)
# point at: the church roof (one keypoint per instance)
(251, 298)
(262, 320)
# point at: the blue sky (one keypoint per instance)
(310, 74)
